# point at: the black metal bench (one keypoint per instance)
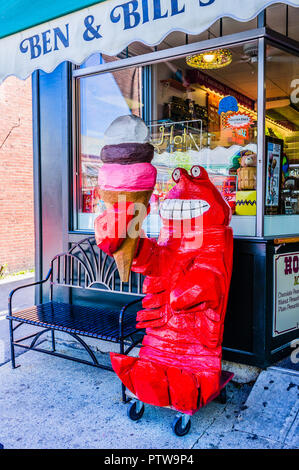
(109, 316)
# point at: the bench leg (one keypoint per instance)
(123, 388)
(12, 347)
(123, 392)
(53, 340)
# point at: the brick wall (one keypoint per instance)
(16, 175)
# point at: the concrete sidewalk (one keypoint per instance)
(54, 403)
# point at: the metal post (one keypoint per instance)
(262, 19)
(53, 340)
(221, 27)
(261, 113)
(37, 184)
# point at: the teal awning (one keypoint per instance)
(40, 34)
(17, 15)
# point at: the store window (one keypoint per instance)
(276, 17)
(282, 143)
(102, 98)
(208, 118)
(204, 117)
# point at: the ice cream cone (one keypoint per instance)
(125, 254)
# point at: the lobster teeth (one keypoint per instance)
(183, 209)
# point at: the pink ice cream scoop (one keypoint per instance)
(134, 177)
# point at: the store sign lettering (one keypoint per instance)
(132, 14)
(45, 42)
(238, 120)
(175, 142)
(110, 27)
(291, 265)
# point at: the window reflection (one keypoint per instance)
(103, 98)
(282, 143)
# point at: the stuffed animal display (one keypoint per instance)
(247, 172)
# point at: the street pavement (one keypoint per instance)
(51, 403)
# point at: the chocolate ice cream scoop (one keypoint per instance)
(127, 153)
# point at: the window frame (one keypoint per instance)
(263, 35)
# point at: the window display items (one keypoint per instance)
(290, 196)
(188, 276)
(228, 103)
(247, 172)
(126, 182)
(274, 157)
(245, 203)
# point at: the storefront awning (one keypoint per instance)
(41, 35)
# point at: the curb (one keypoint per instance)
(12, 279)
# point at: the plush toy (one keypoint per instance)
(247, 172)
(186, 291)
(245, 203)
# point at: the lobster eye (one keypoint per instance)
(176, 175)
(195, 171)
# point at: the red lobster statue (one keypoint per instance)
(188, 276)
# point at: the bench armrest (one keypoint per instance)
(122, 312)
(23, 287)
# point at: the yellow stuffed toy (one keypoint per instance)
(245, 203)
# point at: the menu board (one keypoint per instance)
(286, 293)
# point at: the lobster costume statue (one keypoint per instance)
(188, 276)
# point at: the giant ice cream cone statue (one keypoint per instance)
(127, 176)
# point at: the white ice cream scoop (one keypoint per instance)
(127, 129)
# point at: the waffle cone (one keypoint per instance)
(125, 254)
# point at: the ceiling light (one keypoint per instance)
(210, 59)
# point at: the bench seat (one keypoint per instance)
(101, 322)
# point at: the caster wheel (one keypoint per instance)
(181, 425)
(135, 410)
(223, 396)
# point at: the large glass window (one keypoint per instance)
(102, 99)
(203, 116)
(282, 143)
(208, 117)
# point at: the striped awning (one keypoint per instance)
(35, 34)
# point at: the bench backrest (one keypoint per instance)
(85, 266)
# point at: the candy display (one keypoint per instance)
(188, 276)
